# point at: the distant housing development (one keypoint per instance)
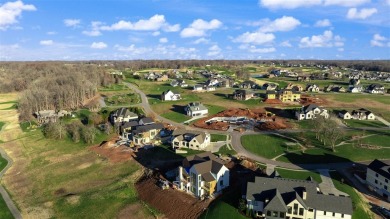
(203, 175)
(291, 198)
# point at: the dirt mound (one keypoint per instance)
(172, 203)
(114, 154)
(277, 124)
(306, 99)
(273, 101)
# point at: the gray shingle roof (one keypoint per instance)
(290, 189)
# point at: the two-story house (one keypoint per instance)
(311, 111)
(362, 114)
(170, 95)
(196, 109)
(203, 175)
(249, 85)
(288, 95)
(145, 134)
(376, 89)
(122, 115)
(242, 94)
(312, 88)
(378, 178)
(273, 198)
(192, 139)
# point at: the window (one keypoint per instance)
(289, 209)
(311, 209)
(376, 174)
(268, 213)
(221, 183)
(295, 209)
(282, 214)
(301, 211)
(334, 214)
(376, 181)
(386, 180)
(274, 214)
(385, 187)
(324, 212)
(342, 215)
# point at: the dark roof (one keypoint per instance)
(129, 124)
(271, 92)
(381, 168)
(310, 107)
(124, 112)
(290, 189)
(146, 120)
(145, 128)
(208, 177)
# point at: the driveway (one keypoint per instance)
(326, 186)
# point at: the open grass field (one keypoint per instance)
(4, 212)
(303, 175)
(176, 116)
(224, 207)
(217, 137)
(361, 123)
(224, 150)
(268, 146)
(361, 208)
(80, 184)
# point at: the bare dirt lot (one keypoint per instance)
(113, 153)
(272, 121)
(169, 201)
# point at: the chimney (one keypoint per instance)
(304, 194)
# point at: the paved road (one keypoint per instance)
(8, 201)
(383, 121)
(236, 140)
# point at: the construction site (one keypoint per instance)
(242, 119)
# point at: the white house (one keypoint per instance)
(191, 140)
(170, 95)
(290, 198)
(311, 111)
(203, 175)
(362, 114)
(196, 109)
(312, 88)
(344, 114)
(378, 178)
(123, 115)
(198, 87)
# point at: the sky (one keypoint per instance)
(194, 29)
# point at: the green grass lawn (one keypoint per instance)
(268, 146)
(28, 126)
(175, 116)
(224, 207)
(214, 109)
(344, 153)
(217, 137)
(123, 99)
(362, 123)
(379, 140)
(114, 87)
(224, 150)
(357, 202)
(1, 125)
(4, 211)
(291, 174)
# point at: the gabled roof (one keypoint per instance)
(189, 135)
(380, 167)
(146, 128)
(195, 106)
(310, 107)
(276, 203)
(146, 120)
(290, 189)
(124, 112)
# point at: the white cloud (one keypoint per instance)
(255, 38)
(163, 40)
(72, 22)
(291, 4)
(283, 24)
(379, 41)
(46, 42)
(94, 29)
(346, 3)
(98, 45)
(388, 2)
(354, 13)
(327, 39)
(323, 23)
(253, 49)
(199, 27)
(340, 49)
(286, 44)
(51, 33)
(92, 32)
(11, 11)
(201, 40)
(154, 23)
(214, 50)
(156, 33)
